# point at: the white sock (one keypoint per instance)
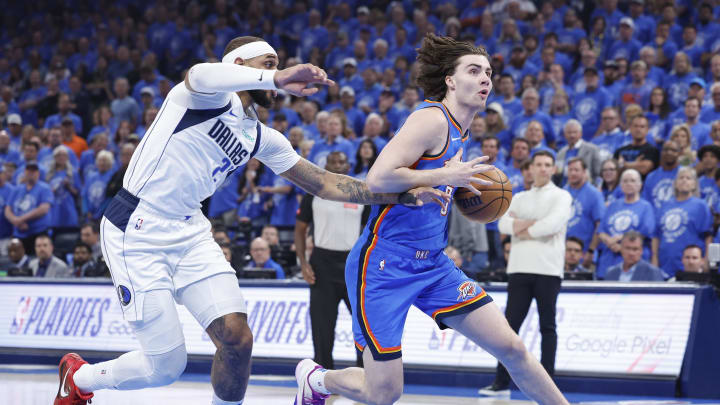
(217, 401)
(92, 377)
(317, 381)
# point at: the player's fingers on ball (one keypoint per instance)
(473, 189)
(478, 160)
(445, 196)
(482, 168)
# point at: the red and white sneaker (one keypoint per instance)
(69, 393)
(306, 395)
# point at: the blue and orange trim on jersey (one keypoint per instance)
(379, 352)
(454, 123)
(461, 307)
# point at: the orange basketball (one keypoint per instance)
(493, 202)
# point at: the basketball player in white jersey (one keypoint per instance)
(157, 242)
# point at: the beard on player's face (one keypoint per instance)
(261, 98)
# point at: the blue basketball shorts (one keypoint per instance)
(384, 278)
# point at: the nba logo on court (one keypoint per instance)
(138, 224)
(467, 290)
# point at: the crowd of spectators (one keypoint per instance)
(624, 94)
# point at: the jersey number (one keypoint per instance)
(221, 169)
(444, 209)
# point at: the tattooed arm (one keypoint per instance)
(338, 187)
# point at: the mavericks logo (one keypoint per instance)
(124, 295)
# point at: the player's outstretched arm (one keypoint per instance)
(338, 187)
(227, 77)
(425, 131)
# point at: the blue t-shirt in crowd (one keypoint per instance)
(378, 141)
(87, 163)
(658, 187)
(10, 156)
(587, 209)
(588, 106)
(613, 195)
(607, 143)
(270, 264)
(709, 191)
(24, 201)
(47, 161)
(226, 196)
(681, 223)
(511, 109)
(93, 193)
(677, 88)
(624, 49)
(515, 177)
(55, 120)
(63, 211)
(285, 206)
(709, 114)
(320, 150)
(6, 228)
(521, 121)
(620, 218)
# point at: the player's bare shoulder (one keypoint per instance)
(428, 120)
(424, 131)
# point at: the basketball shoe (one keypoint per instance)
(69, 393)
(495, 390)
(306, 395)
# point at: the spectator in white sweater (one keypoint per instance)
(537, 220)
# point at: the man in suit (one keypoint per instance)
(45, 264)
(633, 268)
(576, 147)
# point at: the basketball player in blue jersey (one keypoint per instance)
(398, 260)
(158, 244)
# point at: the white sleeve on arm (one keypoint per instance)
(505, 224)
(228, 77)
(275, 150)
(557, 219)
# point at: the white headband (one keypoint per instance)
(249, 51)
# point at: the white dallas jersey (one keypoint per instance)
(194, 142)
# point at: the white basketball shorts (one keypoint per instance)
(145, 250)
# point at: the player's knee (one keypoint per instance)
(235, 335)
(385, 396)
(168, 367)
(387, 392)
(513, 351)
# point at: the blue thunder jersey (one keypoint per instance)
(426, 227)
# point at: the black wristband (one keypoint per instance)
(406, 198)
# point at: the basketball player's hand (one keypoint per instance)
(295, 80)
(308, 273)
(462, 174)
(419, 196)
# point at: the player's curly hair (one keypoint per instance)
(238, 42)
(438, 57)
